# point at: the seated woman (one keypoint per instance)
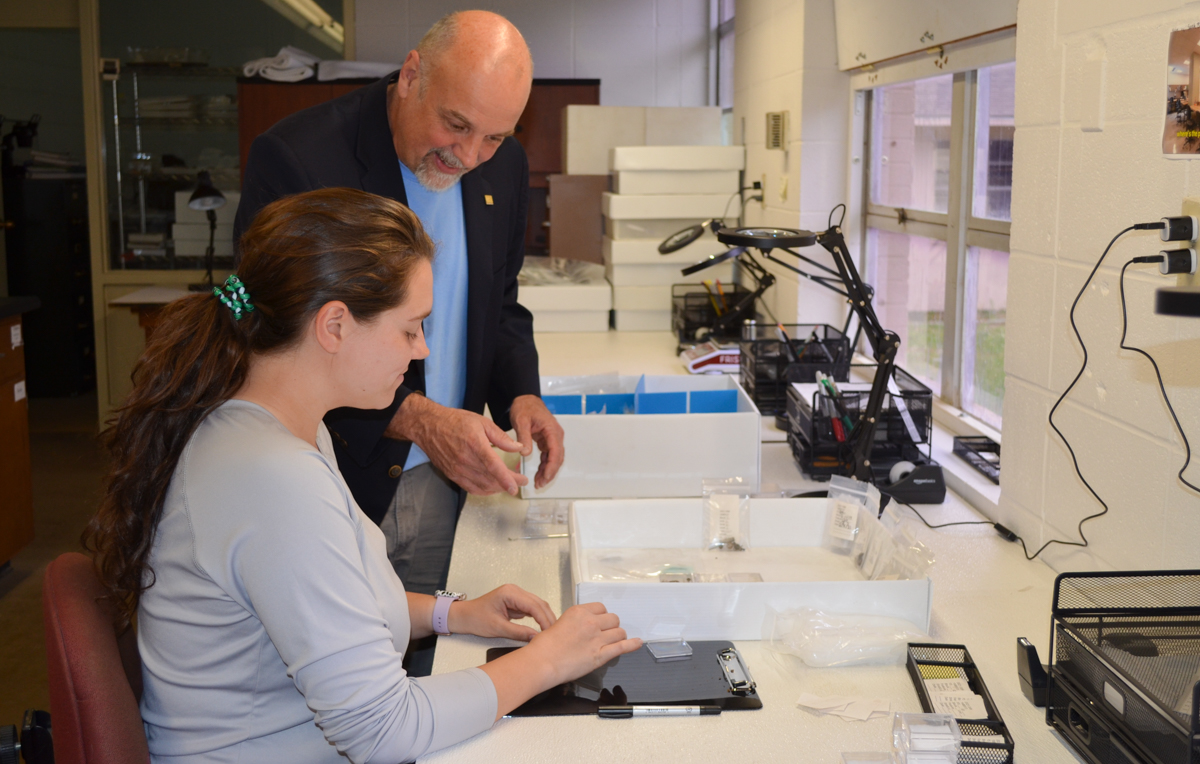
(271, 625)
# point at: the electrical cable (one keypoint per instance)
(1061, 398)
(941, 525)
(1187, 447)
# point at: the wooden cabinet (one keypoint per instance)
(16, 497)
(262, 103)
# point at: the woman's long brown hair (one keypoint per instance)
(300, 253)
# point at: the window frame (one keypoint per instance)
(958, 227)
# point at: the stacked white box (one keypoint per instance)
(785, 547)
(568, 307)
(590, 132)
(659, 190)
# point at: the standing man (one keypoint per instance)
(436, 136)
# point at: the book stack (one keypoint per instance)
(657, 191)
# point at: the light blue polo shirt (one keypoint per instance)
(441, 213)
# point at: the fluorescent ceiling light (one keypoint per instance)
(313, 19)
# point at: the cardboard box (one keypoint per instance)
(552, 297)
(576, 226)
(659, 206)
(642, 298)
(645, 251)
(652, 454)
(642, 320)
(677, 158)
(675, 182)
(645, 229)
(785, 549)
(570, 320)
(663, 275)
(590, 132)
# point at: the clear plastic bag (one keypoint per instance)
(726, 514)
(591, 384)
(889, 555)
(850, 502)
(823, 639)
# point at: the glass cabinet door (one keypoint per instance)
(171, 113)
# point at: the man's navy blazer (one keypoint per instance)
(346, 142)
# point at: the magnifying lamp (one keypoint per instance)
(681, 239)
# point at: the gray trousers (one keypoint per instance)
(419, 527)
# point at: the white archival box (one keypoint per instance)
(612, 455)
(696, 611)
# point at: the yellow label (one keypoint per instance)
(487, 199)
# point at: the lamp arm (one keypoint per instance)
(824, 281)
(884, 346)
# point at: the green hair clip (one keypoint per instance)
(237, 299)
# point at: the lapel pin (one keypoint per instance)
(487, 199)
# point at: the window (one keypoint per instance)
(939, 190)
(724, 36)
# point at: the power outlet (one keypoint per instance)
(763, 197)
(1191, 206)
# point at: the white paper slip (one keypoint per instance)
(847, 707)
(938, 686)
(844, 521)
(960, 705)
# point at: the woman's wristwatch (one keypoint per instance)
(441, 610)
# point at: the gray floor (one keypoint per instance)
(67, 474)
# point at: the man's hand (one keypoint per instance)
(534, 423)
(459, 443)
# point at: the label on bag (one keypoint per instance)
(19, 391)
(15, 333)
(844, 520)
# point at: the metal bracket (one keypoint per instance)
(735, 672)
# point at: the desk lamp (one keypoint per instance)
(207, 198)
(845, 280)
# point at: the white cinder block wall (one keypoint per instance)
(644, 52)
(1072, 191)
(786, 60)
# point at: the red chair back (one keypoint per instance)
(95, 678)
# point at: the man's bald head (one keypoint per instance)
(480, 41)
(458, 96)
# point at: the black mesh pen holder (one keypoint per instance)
(695, 309)
(1125, 663)
(821, 427)
(767, 366)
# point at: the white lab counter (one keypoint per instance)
(985, 596)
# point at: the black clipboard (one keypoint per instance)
(714, 675)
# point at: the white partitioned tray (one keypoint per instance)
(619, 548)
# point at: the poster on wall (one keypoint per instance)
(1181, 130)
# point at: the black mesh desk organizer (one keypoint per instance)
(767, 367)
(1124, 680)
(812, 436)
(937, 661)
(694, 311)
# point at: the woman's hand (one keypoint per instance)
(492, 614)
(584, 639)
